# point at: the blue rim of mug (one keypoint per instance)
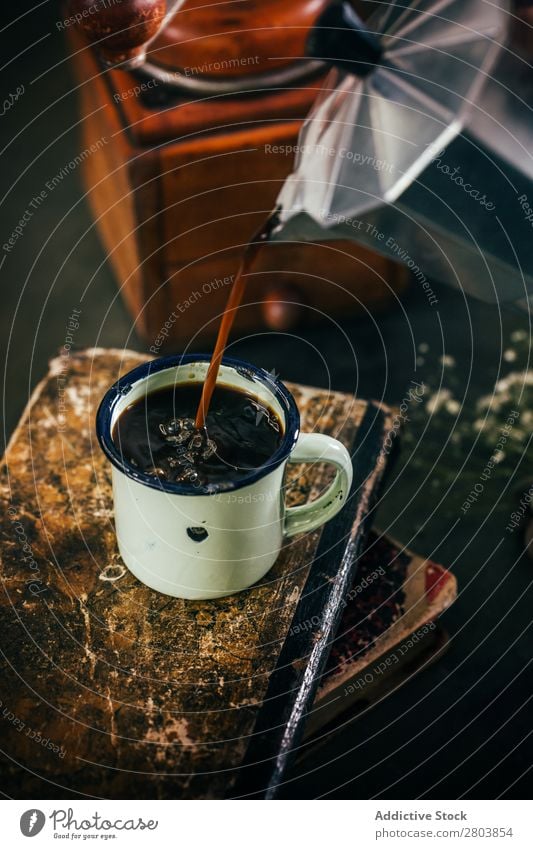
(122, 387)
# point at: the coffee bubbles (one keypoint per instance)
(157, 435)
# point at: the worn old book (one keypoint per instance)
(389, 631)
(108, 688)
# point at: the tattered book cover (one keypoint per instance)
(112, 690)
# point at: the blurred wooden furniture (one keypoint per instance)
(181, 179)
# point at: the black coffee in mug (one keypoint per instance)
(157, 435)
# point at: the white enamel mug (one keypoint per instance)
(214, 540)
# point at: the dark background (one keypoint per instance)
(462, 727)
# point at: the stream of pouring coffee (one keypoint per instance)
(235, 297)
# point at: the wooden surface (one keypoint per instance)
(132, 692)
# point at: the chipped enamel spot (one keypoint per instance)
(113, 572)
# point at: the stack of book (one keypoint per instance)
(138, 695)
(388, 632)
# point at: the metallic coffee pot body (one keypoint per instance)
(425, 152)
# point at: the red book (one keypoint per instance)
(389, 629)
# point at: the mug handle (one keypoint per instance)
(319, 448)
